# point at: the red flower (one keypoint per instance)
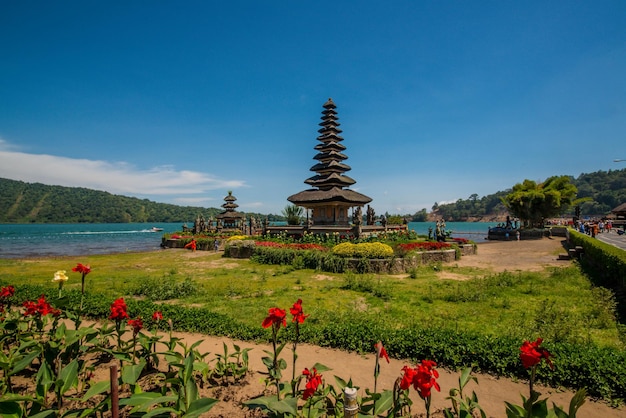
(380, 351)
(31, 308)
(276, 316)
(313, 380)
(7, 292)
(531, 353)
(422, 377)
(407, 378)
(82, 268)
(137, 325)
(42, 308)
(118, 310)
(425, 378)
(157, 316)
(296, 311)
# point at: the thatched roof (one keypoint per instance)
(621, 209)
(334, 195)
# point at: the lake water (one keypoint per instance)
(45, 240)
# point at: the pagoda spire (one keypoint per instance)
(330, 198)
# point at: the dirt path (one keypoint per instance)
(529, 255)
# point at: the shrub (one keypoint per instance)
(363, 250)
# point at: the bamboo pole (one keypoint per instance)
(350, 405)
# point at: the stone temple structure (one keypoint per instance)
(330, 198)
(230, 219)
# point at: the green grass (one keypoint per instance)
(559, 304)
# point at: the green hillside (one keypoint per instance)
(22, 202)
(605, 189)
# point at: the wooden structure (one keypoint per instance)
(330, 199)
(230, 219)
(620, 215)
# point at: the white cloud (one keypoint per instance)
(114, 177)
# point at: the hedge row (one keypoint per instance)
(606, 263)
(602, 371)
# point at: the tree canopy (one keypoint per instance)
(533, 202)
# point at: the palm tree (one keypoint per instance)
(293, 213)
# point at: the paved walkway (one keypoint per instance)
(614, 239)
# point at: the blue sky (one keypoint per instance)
(180, 102)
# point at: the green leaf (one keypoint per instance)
(69, 376)
(200, 406)
(321, 368)
(384, 403)
(132, 372)
(24, 362)
(96, 389)
(577, 401)
(44, 414)
(10, 410)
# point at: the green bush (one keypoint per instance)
(363, 250)
(605, 264)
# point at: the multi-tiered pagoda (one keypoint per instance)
(330, 199)
(230, 218)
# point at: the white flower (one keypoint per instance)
(60, 276)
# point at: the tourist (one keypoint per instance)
(192, 245)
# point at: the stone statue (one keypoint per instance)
(370, 216)
(357, 218)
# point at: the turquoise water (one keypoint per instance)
(26, 240)
(475, 231)
(45, 240)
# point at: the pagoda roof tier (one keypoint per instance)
(230, 215)
(335, 195)
(331, 180)
(330, 136)
(332, 154)
(329, 104)
(330, 146)
(330, 166)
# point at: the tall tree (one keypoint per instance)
(533, 202)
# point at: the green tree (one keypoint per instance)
(533, 202)
(293, 213)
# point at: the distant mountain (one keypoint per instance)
(22, 202)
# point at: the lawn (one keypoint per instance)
(558, 304)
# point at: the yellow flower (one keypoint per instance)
(60, 276)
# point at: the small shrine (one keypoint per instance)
(230, 219)
(330, 199)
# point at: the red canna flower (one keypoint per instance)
(119, 310)
(157, 316)
(425, 378)
(407, 378)
(296, 311)
(380, 351)
(137, 325)
(531, 354)
(7, 292)
(82, 268)
(422, 377)
(313, 380)
(41, 308)
(31, 308)
(276, 316)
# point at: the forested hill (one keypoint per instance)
(22, 202)
(605, 189)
